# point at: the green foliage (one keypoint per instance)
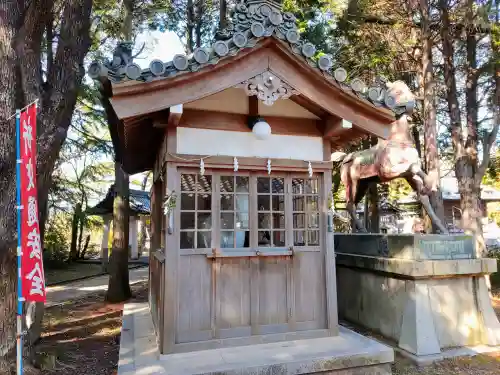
(56, 241)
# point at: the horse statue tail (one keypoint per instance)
(338, 157)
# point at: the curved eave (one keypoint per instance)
(273, 55)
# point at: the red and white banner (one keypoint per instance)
(33, 278)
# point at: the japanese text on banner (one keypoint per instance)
(33, 278)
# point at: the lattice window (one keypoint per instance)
(196, 211)
(305, 198)
(234, 208)
(271, 211)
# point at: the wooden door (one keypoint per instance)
(251, 259)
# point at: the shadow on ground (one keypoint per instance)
(83, 337)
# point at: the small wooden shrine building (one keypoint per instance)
(239, 136)
(140, 211)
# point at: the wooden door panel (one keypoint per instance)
(233, 297)
(273, 306)
(309, 290)
(195, 290)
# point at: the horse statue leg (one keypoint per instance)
(422, 185)
(352, 193)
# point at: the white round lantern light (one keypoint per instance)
(261, 129)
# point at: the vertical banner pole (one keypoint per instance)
(19, 248)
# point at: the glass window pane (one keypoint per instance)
(204, 202)
(187, 220)
(311, 186)
(226, 184)
(242, 239)
(278, 202)
(204, 240)
(278, 221)
(264, 221)
(205, 183)
(242, 184)
(278, 185)
(187, 240)
(299, 238)
(227, 240)
(298, 203)
(227, 220)
(298, 186)
(312, 204)
(263, 185)
(313, 237)
(204, 220)
(227, 202)
(299, 221)
(264, 238)
(313, 221)
(241, 220)
(187, 201)
(279, 238)
(188, 182)
(242, 202)
(263, 202)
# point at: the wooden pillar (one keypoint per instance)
(170, 302)
(105, 241)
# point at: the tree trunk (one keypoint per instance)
(9, 19)
(21, 82)
(73, 252)
(85, 247)
(222, 14)
(189, 27)
(429, 118)
(119, 288)
(466, 168)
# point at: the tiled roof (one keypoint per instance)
(140, 203)
(252, 21)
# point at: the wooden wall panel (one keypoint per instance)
(233, 297)
(272, 291)
(309, 285)
(195, 296)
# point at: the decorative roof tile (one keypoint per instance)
(252, 21)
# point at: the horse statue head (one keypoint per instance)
(401, 99)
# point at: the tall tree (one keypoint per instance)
(469, 168)
(24, 78)
(119, 286)
(431, 151)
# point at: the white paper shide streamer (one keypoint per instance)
(202, 167)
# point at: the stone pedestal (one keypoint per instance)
(423, 294)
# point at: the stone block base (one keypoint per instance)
(346, 354)
(425, 306)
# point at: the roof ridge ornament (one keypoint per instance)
(268, 88)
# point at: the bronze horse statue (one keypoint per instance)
(395, 157)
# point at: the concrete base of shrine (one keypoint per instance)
(346, 354)
(427, 306)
